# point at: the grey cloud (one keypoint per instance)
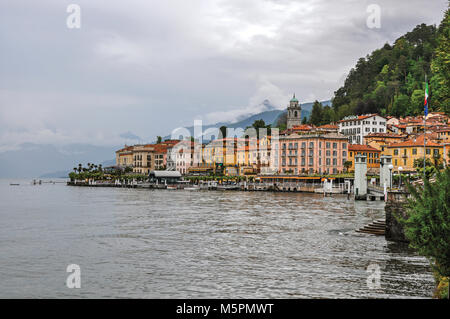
(150, 66)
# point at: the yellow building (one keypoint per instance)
(372, 154)
(124, 156)
(242, 154)
(380, 141)
(225, 151)
(404, 153)
(143, 159)
(444, 134)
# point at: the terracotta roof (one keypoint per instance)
(389, 135)
(170, 142)
(361, 148)
(414, 142)
(303, 127)
(125, 149)
(328, 126)
(361, 117)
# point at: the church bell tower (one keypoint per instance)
(294, 113)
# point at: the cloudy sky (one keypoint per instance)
(142, 68)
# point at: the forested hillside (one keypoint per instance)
(391, 80)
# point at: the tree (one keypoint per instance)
(377, 79)
(347, 165)
(328, 115)
(316, 113)
(223, 131)
(427, 226)
(400, 106)
(440, 66)
(260, 124)
(417, 102)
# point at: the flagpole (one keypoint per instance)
(425, 129)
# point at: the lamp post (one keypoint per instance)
(390, 175)
(400, 173)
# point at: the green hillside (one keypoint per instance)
(391, 80)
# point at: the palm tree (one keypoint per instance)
(80, 168)
(347, 165)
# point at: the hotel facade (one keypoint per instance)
(357, 127)
(312, 153)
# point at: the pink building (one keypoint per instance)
(313, 153)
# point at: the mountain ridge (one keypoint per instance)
(32, 160)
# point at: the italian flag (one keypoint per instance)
(426, 99)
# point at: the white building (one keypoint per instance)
(356, 127)
(181, 156)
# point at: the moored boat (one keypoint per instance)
(192, 188)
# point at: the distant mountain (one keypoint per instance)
(39, 160)
(270, 116)
(51, 161)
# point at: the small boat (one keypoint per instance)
(13, 184)
(210, 185)
(192, 188)
(171, 187)
(228, 187)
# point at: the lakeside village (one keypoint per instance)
(366, 156)
(350, 156)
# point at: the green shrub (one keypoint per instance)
(428, 223)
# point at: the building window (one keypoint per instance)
(396, 152)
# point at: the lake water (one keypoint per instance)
(205, 244)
